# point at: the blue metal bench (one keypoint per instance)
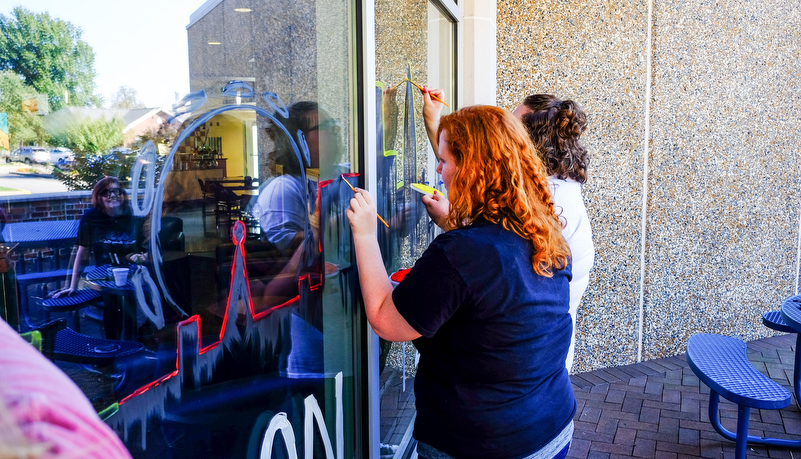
(73, 303)
(721, 362)
(775, 321)
(71, 346)
(24, 281)
(58, 342)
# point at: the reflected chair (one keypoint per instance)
(207, 191)
(228, 209)
(171, 235)
(80, 299)
(252, 224)
(40, 280)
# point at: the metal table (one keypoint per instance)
(43, 233)
(99, 279)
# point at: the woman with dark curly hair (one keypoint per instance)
(486, 304)
(555, 127)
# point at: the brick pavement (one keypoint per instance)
(658, 409)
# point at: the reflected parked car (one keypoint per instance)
(62, 157)
(30, 155)
(122, 150)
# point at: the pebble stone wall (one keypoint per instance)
(719, 180)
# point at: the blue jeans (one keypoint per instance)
(440, 455)
(425, 451)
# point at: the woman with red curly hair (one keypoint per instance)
(487, 302)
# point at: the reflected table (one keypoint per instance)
(251, 221)
(101, 279)
(36, 234)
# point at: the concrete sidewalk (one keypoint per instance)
(658, 409)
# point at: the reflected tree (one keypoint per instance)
(126, 98)
(91, 136)
(24, 126)
(50, 56)
(92, 141)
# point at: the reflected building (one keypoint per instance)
(273, 47)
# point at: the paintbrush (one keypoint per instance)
(432, 95)
(421, 89)
(354, 190)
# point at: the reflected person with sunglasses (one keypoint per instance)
(112, 236)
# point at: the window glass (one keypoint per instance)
(201, 296)
(414, 48)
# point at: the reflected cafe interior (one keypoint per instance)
(222, 326)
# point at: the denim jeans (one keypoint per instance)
(425, 451)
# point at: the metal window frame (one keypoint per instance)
(366, 65)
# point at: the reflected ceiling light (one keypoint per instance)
(242, 10)
(214, 43)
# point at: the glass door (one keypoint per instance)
(415, 47)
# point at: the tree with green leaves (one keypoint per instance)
(49, 55)
(87, 169)
(92, 142)
(25, 128)
(90, 136)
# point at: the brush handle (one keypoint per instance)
(432, 95)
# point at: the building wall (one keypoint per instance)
(718, 186)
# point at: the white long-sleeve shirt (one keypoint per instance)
(569, 205)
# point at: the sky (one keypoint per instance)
(140, 44)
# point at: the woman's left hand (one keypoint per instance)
(137, 258)
(437, 207)
(362, 215)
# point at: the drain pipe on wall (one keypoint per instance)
(645, 155)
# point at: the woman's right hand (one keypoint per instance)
(362, 215)
(431, 106)
(438, 208)
(63, 292)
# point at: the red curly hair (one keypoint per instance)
(501, 179)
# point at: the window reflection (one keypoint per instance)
(233, 297)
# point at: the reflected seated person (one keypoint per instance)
(110, 234)
(285, 207)
(285, 203)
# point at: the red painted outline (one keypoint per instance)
(195, 319)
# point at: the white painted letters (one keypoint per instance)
(312, 414)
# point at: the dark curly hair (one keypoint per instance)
(555, 127)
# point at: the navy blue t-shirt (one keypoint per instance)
(104, 235)
(491, 382)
